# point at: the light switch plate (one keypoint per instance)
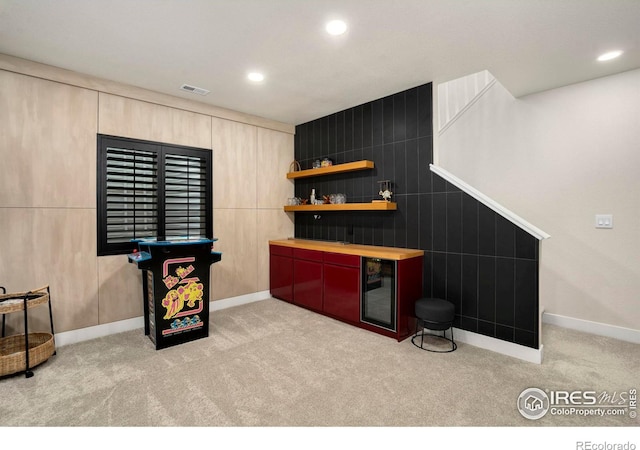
(604, 221)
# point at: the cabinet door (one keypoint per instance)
(307, 284)
(342, 292)
(281, 277)
(409, 290)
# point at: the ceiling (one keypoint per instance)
(390, 46)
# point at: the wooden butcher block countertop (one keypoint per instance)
(371, 251)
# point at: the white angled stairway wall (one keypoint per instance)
(456, 96)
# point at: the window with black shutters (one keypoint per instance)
(151, 190)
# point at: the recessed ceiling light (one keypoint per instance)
(336, 27)
(255, 76)
(609, 55)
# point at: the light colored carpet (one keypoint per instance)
(270, 363)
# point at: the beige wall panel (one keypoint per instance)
(120, 289)
(234, 164)
(55, 247)
(275, 154)
(38, 70)
(47, 143)
(120, 116)
(237, 272)
(273, 224)
(48, 196)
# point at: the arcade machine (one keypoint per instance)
(175, 288)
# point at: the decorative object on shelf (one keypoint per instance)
(326, 162)
(312, 198)
(337, 199)
(317, 164)
(294, 166)
(304, 201)
(385, 190)
(293, 201)
(334, 168)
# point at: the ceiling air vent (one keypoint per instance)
(193, 89)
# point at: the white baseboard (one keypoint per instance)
(85, 334)
(600, 329)
(239, 300)
(528, 354)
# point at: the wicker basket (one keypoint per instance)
(294, 166)
(15, 301)
(12, 354)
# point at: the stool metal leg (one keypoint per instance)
(453, 343)
(28, 373)
(4, 291)
(454, 346)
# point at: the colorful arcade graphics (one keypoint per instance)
(175, 288)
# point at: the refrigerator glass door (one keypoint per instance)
(379, 293)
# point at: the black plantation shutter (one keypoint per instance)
(151, 190)
(131, 195)
(185, 188)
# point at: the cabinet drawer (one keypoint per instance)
(280, 250)
(309, 255)
(342, 260)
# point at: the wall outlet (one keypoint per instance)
(604, 221)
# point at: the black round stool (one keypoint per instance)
(434, 314)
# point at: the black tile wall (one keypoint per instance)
(454, 222)
(439, 275)
(469, 225)
(487, 288)
(505, 291)
(486, 231)
(454, 279)
(484, 264)
(439, 221)
(469, 294)
(505, 237)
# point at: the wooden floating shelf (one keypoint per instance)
(374, 206)
(337, 168)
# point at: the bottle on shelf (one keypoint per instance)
(312, 198)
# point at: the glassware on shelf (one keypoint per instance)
(326, 162)
(337, 199)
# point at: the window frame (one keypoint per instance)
(161, 150)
